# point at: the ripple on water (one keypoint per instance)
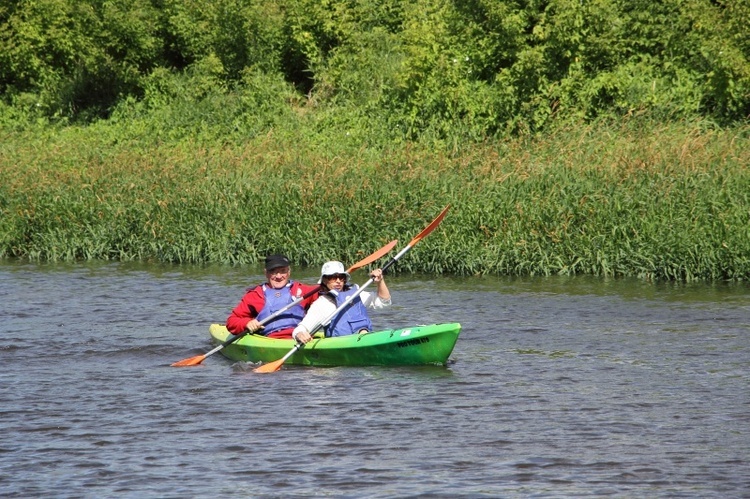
(555, 389)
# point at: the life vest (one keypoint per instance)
(350, 320)
(276, 299)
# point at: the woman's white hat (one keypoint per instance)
(331, 268)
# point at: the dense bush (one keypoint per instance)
(426, 68)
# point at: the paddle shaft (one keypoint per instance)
(349, 300)
(276, 365)
(291, 352)
(385, 267)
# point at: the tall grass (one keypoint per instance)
(630, 199)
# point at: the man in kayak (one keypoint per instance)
(334, 290)
(261, 301)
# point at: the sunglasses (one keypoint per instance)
(341, 277)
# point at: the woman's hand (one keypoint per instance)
(302, 337)
(383, 293)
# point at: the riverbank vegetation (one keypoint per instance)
(606, 138)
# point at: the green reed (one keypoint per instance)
(658, 201)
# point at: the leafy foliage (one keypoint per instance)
(431, 69)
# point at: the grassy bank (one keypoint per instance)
(657, 201)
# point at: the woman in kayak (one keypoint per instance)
(335, 289)
(261, 301)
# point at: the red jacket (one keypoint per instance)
(254, 300)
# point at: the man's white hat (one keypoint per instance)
(331, 268)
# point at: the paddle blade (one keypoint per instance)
(374, 257)
(192, 361)
(270, 367)
(276, 364)
(430, 227)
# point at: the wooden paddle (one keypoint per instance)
(193, 361)
(276, 365)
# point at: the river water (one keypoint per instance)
(557, 387)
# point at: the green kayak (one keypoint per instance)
(411, 346)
